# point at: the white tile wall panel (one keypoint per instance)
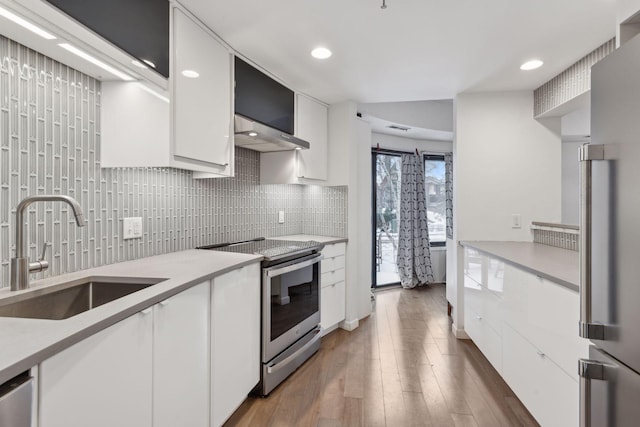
(572, 82)
(50, 144)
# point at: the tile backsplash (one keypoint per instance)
(50, 144)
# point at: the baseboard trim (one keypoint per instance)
(350, 325)
(459, 333)
(330, 329)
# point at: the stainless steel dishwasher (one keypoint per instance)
(15, 401)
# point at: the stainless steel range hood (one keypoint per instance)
(256, 136)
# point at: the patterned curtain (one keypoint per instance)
(448, 165)
(414, 254)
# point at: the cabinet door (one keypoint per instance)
(311, 125)
(181, 359)
(235, 339)
(202, 102)
(547, 391)
(332, 305)
(102, 381)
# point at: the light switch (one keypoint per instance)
(131, 228)
(516, 221)
(280, 217)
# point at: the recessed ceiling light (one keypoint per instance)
(149, 63)
(190, 74)
(26, 24)
(95, 61)
(321, 53)
(531, 65)
(298, 148)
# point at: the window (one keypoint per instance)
(386, 168)
(434, 187)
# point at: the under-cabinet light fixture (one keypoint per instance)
(139, 64)
(26, 24)
(253, 134)
(96, 61)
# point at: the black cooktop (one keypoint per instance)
(271, 249)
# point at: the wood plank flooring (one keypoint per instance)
(401, 367)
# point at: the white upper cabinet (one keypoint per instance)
(311, 125)
(301, 166)
(189, 128)
(202, 96)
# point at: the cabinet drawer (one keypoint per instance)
(546, 314)
(546, 390)
(332, 305)
(484, 336)
(331, 277)
(333, 250)
(331, 264)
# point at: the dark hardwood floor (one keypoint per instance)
(401, 367)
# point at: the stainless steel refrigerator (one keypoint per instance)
(610, 244)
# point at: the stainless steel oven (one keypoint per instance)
(290, 317)
(290, 304)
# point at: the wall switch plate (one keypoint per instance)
(132, 228)
(280, 217)
(516, 221)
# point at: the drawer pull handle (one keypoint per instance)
(479, 318)
(541, 354)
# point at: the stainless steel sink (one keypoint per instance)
(67, 300)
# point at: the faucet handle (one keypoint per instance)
(44, 250)
(41, 264)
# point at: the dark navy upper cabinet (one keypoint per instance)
(260, 98)
(139, 27)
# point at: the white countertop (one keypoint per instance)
(304, 237)
(27, 342)
(555, 264)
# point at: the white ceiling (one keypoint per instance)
(413, 50)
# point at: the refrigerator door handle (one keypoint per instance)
(588, 153)
(588, 370)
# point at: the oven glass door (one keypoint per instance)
(291, 302)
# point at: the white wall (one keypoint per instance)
(436, 115)
(350, 154)
(576, 127)
(505, 163)
(570, 182)
(399, 143)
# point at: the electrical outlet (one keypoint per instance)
(516, 221)
(280, 217)
(131, 228)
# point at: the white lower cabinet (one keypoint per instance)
(546, 390)
(190, 360)
(102, 381)
(526, 327)
(332, 283)
(181, 359)
(235, 340)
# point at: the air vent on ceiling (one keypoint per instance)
(396, 127)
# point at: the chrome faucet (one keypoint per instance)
(20, 265)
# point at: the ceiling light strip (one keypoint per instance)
(96, 61)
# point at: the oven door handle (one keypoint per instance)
(293, 267)
(284, 362)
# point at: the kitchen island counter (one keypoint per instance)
(27, 342)
(555, 264)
